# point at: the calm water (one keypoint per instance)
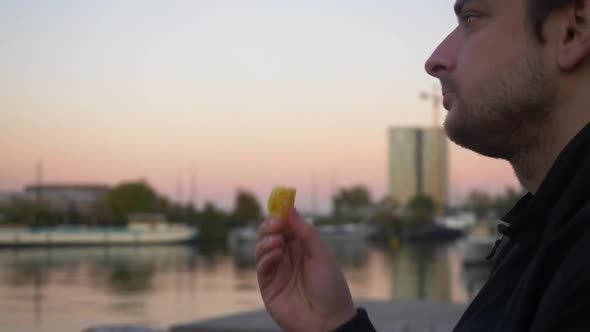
(67, 290)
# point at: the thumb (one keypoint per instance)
(308, 234)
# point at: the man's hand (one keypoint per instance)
(300, 281)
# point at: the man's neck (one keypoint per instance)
(531, 167)
(533, 163)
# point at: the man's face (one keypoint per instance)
(495, 83)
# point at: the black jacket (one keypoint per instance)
(541, 276)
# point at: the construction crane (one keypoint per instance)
(436, 99)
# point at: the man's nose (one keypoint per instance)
(443, 59)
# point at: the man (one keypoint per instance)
(516, 82)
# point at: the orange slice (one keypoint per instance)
(280, 201)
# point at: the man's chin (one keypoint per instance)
(468, 136)
(461, 132)
(453, 122)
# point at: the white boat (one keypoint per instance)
(461, 221)
(134, 234)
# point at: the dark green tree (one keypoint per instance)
(29, 213)
(213, 223)
(480, 203)
(387, 210)
(504, 202)
(246, 208)
(20, 211)
(100, 212)
(387, 219)
(420, 211)
(351, 203)
(133, 197)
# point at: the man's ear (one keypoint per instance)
(574, 46)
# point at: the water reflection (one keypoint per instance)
(350, 255)
(69, 289)
(426, 272)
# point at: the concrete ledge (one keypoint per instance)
(402, 316)
(122, 328)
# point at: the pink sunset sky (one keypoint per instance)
(242, 94)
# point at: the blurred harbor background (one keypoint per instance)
(139, 141)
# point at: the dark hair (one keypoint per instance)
(539, 11)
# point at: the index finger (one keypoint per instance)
(269, 227)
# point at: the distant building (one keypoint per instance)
(81, 198)
(418, 164)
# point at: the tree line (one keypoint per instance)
(349, 205)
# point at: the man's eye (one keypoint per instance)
(469, 19)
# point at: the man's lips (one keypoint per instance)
(446, 91)
(448, 97)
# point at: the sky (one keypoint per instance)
(225, 94)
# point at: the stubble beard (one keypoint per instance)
(505, 117)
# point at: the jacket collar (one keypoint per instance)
(561, 192)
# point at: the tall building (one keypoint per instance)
(418, 164)
(63, 197)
